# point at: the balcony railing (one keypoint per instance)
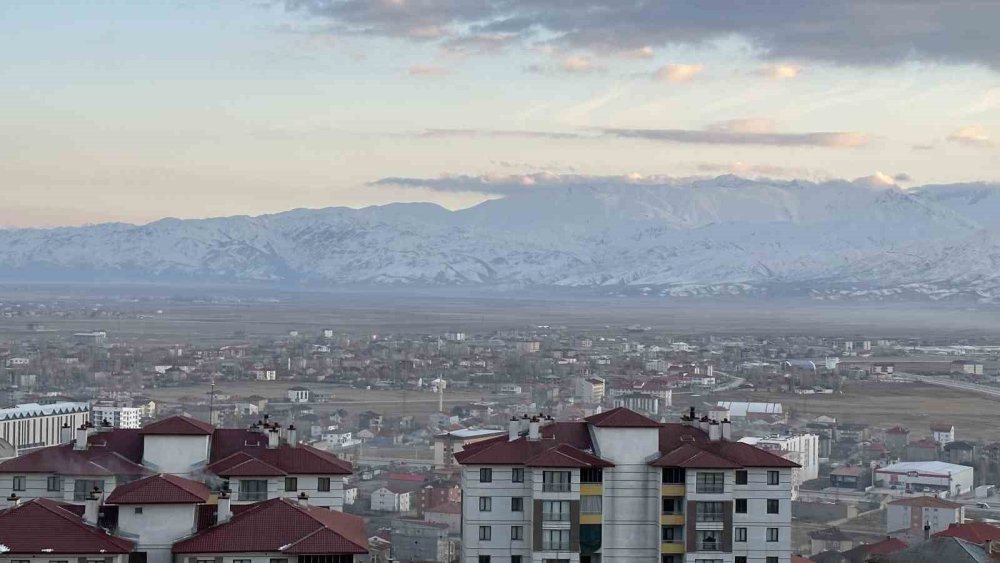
(709, 517)
(555, 517)
(556, 487)
(556, 546)
(709, 546)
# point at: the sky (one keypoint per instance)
(133, 110)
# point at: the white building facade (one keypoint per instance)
(803, 449)
(33, 425)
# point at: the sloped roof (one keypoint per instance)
(621, 417)
(41, 526)
(975, 532)
(242, 464)
(700, 452)
(545, 452)
(298, 460)
(178, 426)
(63, 459)
(862, 552)
(160, 489)
(282, 525)
(939, 550)
(691, 456)
(829, 534)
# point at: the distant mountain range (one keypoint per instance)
(725, 236)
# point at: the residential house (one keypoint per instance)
(911, 515)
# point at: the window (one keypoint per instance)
(555, 540)
(517, 504)
(485, 475)
(772, 534)
(772, 559)
(673, 475)
(673, 505)
(709, 511)
(517, 475)
(740, 505)
(707, 540)
(591, 504)
(711, 482)
(556, 481)
(20, 483)
(592, 475)
(773, 478)
(138, 510)
(670, 534)
(83, 487)
(54, 483)
(772, 506)
(253, 489)
(514, 558)
(278, 560)
(291, 483)
(740, 535)
(485, 533)
(242, 560)
(517, 532)
(485, 504)
(555, 510)
(322, 485)
(741, 477)
(484, 559)
(668, 559)
(740, 559)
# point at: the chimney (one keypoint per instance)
(92, 507)
(714, 431)
(534, 429)
(105, 426)
(927, 531)
(303, 500)
(81, 438)
(703, 424)
(65, 434)
(273, 438)
(524, 423)
(292, 435)
(224, 510)
(513, 429)
(13, 500)
(691, 415)
(727, 429)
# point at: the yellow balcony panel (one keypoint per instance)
(673, 490)
(672, 519)
(590, 518)
(672, 548)
(591, 489)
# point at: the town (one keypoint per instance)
(537, 443)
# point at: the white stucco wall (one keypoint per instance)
(178, 455)
(157, 528)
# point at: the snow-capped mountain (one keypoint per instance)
(706, 237)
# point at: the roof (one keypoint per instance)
(160, 489)
(303, 530)
(974, 532)
(63, 459)
(299, 459)
(740, 408)
(897, 430)
(700, 452)
(848, 471)
(941, 427)
(467, 433)
(178, 426)
(42, 526)
(621, 417)
(544, 452)
(865, 550)
(28, 410)
(830, 534)
(937, 550)
(926, 502)
(931, 467)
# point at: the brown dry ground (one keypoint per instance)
(912, 405)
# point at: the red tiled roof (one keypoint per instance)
(64, 460)
(975, 532)
(941, 427)
(621, 417)
(691, 456)
(897, 430)
(298, 460)
(282, 525)
(42, 527)
(411, 477)
(160, 489)
(242, 464)
(546, 452)
(718, 454)
(178, 426)
(926, 502)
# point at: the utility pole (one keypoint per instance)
(211, 404)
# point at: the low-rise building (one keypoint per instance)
(936, 476)
(911, 516)
(33, 425)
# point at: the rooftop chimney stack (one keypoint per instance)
(927, 531)
(703, 424)
(534, 429)
(224, 511)
(727, 429)
(273, 438)
(513, 429)
(81, 438)
(303, 499)
(65, 434)
(292, 435)
(13, 500)
(105, 426)
(714, 431)
(524, 423)
(92, 507)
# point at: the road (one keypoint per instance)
(945, 381)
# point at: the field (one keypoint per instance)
(912, 405)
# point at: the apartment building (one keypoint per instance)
(116, 415)
(802, 449)
(33, 425)
(620, 487)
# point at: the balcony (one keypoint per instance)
(671, 519)
(672, 547)
(709, 517)
(555, 517)
(673, 490)
(709, 546)
(556, 487)
(555, 546)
